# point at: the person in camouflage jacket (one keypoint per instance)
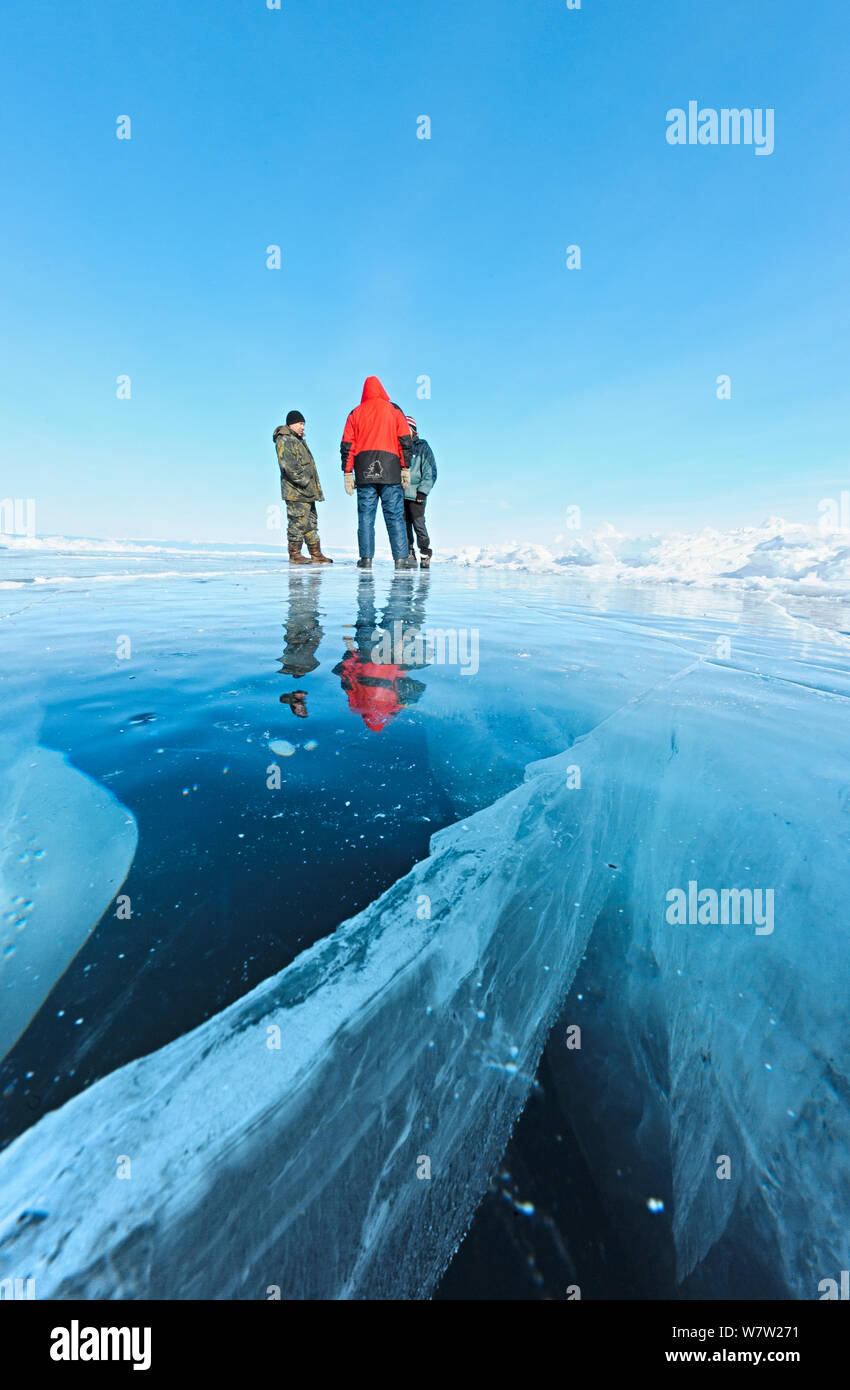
(300, 489)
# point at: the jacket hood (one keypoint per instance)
(373, 390)
(282, 429)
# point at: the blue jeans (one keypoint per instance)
(392, 505)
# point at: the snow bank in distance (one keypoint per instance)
(86, 545)
(776, 555)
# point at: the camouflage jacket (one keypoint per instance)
(299, 477)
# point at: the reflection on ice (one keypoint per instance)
(329, 1135)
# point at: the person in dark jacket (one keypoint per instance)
(300, 489)
(376, 449)
(423, 475)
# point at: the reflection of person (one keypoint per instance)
(300, 489)
(375, 451)
(373, 688)
(377, 687)
(297, 701)
(303, 629)
(423, 475)
(399, 632)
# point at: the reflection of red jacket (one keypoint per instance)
(376, 442)
(372, 690)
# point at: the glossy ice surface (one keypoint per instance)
(338, 1026)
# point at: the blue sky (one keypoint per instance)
(405, 257)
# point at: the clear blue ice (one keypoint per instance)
(327, 1124)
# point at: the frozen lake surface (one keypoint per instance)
(278, 973)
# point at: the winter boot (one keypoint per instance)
(364, 564)
(408, 563)
(425, 561)
(316, 554)
(295, 556)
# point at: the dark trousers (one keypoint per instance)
(414, 520)
(391, 497)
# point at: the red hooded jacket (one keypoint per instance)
(376, 442)
(372, 690)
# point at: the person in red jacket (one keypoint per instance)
(372, 690)
(376, 690)
(376, 448)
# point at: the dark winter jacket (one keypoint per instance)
(423, 469)
(299, 477)
(376, 442)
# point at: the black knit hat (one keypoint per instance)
(295, 418)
